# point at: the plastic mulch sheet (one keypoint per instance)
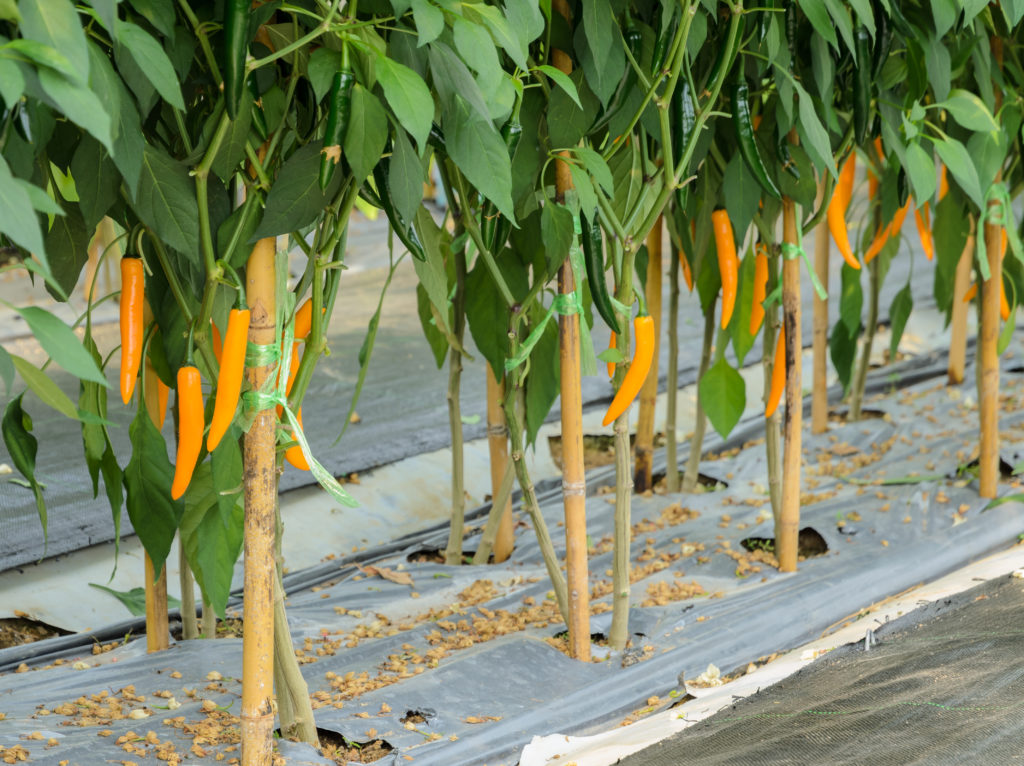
(463, 665)
(941, 685)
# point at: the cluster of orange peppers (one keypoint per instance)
(230, 355)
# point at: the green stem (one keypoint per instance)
(692, 474)
(298, 44)
(470, 224)
(204, 42)
(453, 551)
(202, 175)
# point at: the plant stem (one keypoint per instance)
(672, 389)
(156, 607)
(500, 510)
(209, 621)
(189, 624)
(453, 552)
(857, 394)
(643, 446)
(692, 473)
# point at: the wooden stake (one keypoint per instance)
(988, 365)
(788, 528)
(259, 487)
(574, 483)
(672, 388)
(958, 319)
(819, 390)
(497, 444)
(156, 587)
(643, 447)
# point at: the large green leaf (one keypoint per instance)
(969, 110)
(842, 349)
(958, 161)
(408, 96)
(367, 133)
(476, 47)
(22, 447)
(851, 299)
(134, 600)
(60, 342)
(232, 149)
(295, 199)
(79, 104)
(476, 147)
(723, 395)
(17, 217)
(950, 233)
(152, 61)
(920, 168)
(739, 328)
(127, 130)
(6, 369)
(42, 385)
(813, 135)
(147, 481)
(405, 177)
(542, 385)
(166, 202)
(902, 305)
(431, 271)
(429, 20)
(96, 179)
(55, 23)
(435, 338)
(67, 242)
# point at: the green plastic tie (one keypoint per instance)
(997, 211)
(789, 253)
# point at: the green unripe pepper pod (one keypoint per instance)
(338, 111)
(236, 47)
(405, 233)
(862, 86)
(741, 120)
(593, 258)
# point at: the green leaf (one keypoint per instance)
(958, 162)
(597, 167)
(584, 190)
(295, 199)
(542, 385)
(6, 369)
(949, 231)
(92, 401)
(969, 110)
(431, 271)
(723, 395)
(44, 387)
(851, 299)
(409, 98)
(561, 79)
(18, 219)
(435, 338)
(501, 31)
(60, 342)
(429, 20)
(597, 24)
(55, 23)
(557, 234)
(96, 179)
(612, 355)
(477, 49)
(151, 59)
(22, 447)
(113, 482)
(405, 177)
(147, 481)
(166, 202)
(41, 201)
(12, 81)
(478, 150)
(68, 243)
(813, 135)
(843, 348)
(232, 149)
(157, 13)
(921, 170)
(79, 104)
(739, 327)
(323, 63)
(902, 305)
(134, 599)
(937, 62)
(127, 129)
(367, 133)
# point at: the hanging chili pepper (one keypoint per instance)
(687, 274)
(885, 232)
(786, 158)
(218, 345)
(902, 187)
(922, 218)
(236, 47)
(593, 258)
(661, 46)
(494, 229)
(778, 375)
(303, 321)
(406, 234)
(728, 263)
(683, 116)
(294, 453)
(163, 393)
(883, 40)
(739, 96)
(643, 332)
(229, 379)
(190, 427)
(611, 365)
(1004, 305)
(943, 182)
(862, 86)
(633, 37)
(836, 213)
(339, 109)
(133, 298)
(760, 287)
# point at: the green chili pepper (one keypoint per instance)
(661, 46)
(792, 23)
(236, 46)
(785, 158)
(764, 18)
(338, 111)
(683, 118)
(883, 41)
(902, 187)
(862, 86)
(493, 228)
(633, 38)
(259, 119)
(405, 233)
(741, 121)
(593, 257)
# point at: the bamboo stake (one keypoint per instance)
(672, 389)
(819, 390)
(618, 633)
(497, 444)
(772, 425)
(260, 488)
(988, 366)
(189, 623)
(453, 551)
(156, 607)
(692, 473)
(643, 446)
(787, 528)
(574, 483)
(958, 320)
(859, 383)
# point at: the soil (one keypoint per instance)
(598, 449)
(341, 751)
(16, 631)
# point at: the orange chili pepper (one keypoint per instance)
(943, 183)
(836, 213)
(133, 298)
(163, 393)
(643, 332)
(728, 263)
(190, 428)
(778, 375)
(687, 274)
(922, 217)
(218, 345)
(294, 453)
(760, 287)
(885, 232)
(1004, 305)
(229, 379)
(611, 365)
(304, 319)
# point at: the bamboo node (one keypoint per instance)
(574, 488)
(498, 429)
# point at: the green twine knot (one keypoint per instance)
(791, 252)
(998, 212)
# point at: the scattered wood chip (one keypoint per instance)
(402, 578)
